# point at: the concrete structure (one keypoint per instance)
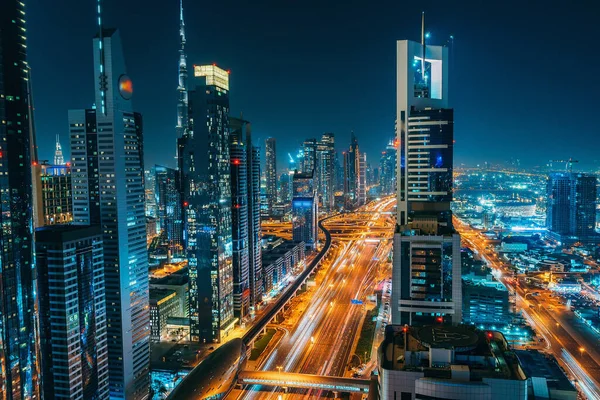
(281, 260)
(179, 283)
(19, 373)
(164, 304)
(545, 378)
(446, 362)
(204, 164)
(108, 189)
(71, 289)
(426, 283)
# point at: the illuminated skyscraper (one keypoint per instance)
(58, 155)
(387, 169)
(305, 209)
(54, 195)
(325, 170)
(352, 174)
(182, 87)
(71, 288)
(309, 161)
(19, 356)
(108, 189)
(571, 208)
(169, 207)
(204, 164)
(426, 273)
(362, 179)
(271, 172)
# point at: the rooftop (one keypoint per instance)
(536, 364)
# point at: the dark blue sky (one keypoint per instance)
(523, 80)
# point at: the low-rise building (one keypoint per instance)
(545, 378)
(448, 362)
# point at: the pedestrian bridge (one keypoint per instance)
(304, 381)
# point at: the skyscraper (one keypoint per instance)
(571, 208)
(271, 172)
(305, 209)
(71, 288)
(54, 195)
(352, 174)
(58, 155)
(325, 170)
(241, 139)
(387, 169)
(309, 161)
(362, 179)
(19, 360)
(239, 223)
(182, 87)
(204, 164)
(169, 207)
(426, 273)
(108, 189)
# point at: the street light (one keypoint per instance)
(279, 367)
(581, 351)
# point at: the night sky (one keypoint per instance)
(524, 78)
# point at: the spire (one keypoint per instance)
(423, 45)
(58, 155)
(102, 84)
(182, 103)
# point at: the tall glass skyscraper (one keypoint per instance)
(325, 170)
(271, 172)
(19, 355)
(204, 163)
(108, 188)
(169, 207)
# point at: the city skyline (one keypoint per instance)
(488, 66)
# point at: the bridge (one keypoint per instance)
(304, 381)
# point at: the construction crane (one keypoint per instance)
(568, 163)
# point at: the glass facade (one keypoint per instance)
(19, 355)
(204, 162)
(167, 194)
(271, 172)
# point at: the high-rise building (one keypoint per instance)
(204, 164)
(325, 170)
(352, 174)
(241, 134)
(309, 160)
(362, 179)
(571, 208)
(19, 363)
(426, 273)
(54, 195)
(271, 172)
(305, 210)
(150, 189)
(169, 207)
(387, 169)
(182, 87)
(70, 266)
(58, 154)
(108, 189)
(239, 223)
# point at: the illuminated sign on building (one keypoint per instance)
(125, 87)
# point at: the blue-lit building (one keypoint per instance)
(204, 164)
(108, 189)
(304, 210)
(387, 170)
(19, 352)
(71, 288)
(571, 208)
(169, 207)
(271, 172)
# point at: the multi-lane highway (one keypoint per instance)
(321, 335)
(573, 343)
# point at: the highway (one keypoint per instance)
(322, 331)
(575, 345)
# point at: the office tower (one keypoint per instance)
(182, 87)
(387, 169)
(108, 189)
(164, 304)
(239, 222)
(325, 170)
(204, 164)
(426, 273)
(150, 189)
(54, 194)
(71, 289)
(169, 207)
(58, 155)
(352, 174)
(309, 159)
(241, 134)
(271, 172)
(18, 364)
(305, 209)
(571, 208)
(362, 179)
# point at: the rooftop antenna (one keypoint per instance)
(102, 83)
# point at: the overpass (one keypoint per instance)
(304, 381)
(289, 292)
